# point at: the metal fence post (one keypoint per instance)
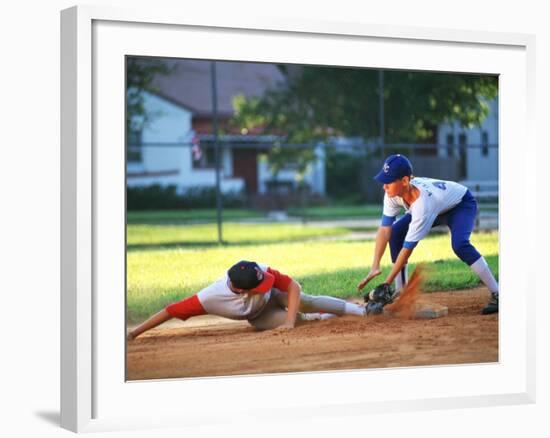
(216, 149)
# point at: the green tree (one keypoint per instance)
(140, 75)
(317, 102)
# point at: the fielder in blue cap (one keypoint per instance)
(427, 203)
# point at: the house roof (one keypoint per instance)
(190, 83)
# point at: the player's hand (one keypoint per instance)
(130, 336)
(373, 273)
(285, 327)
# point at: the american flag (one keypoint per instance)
(196, 149)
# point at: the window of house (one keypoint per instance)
(484, 143)
(203, 156)
(291, 166)
(462, 151)
(135, 143)
(450, 144)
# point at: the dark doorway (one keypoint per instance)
(245, 165)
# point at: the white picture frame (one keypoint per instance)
(93, 396)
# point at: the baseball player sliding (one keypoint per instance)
(265, 297)
(427, 203)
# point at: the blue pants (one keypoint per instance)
(460, 220)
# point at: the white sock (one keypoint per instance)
(481, 268)
(354, 309)
(401, 279)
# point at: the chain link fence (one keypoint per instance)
(335, 172)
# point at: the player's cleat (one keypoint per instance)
(492, 306)
(316, 316)
(310, 316)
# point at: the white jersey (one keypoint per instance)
(219, 299)
(436, 197)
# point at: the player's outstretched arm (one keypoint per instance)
(382, 238)
(150, 323)
(294, 291)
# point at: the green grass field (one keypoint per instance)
(183, 216)
(338, 212)
(165, 236)
(168, 263)
(158, 217)
(175, 217)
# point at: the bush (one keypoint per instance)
(343, 172)
(158, 197)
(154, 197)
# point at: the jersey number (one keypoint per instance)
(440, 185)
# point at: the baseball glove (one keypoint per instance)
(377, 298)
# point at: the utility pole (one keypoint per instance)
(216, 148)
(381, 110)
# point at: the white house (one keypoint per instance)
(166, 152)
(481, 152)
(162, 153)
(314, 176)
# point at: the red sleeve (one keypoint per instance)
(186, 308)
(282, 281)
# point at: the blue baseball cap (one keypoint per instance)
(395, 167)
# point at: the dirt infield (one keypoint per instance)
(212, 346)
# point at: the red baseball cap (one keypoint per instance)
(249, 276)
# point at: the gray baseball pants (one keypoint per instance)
(274, 313)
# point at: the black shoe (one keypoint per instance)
(373, 308)
(492, 307)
